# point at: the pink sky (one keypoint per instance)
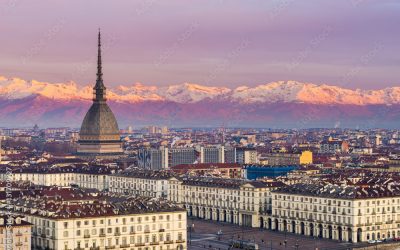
(351, 43)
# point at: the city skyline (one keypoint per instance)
(345, 43)
(163, 125)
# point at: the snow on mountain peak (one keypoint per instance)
(190, 92)
(280, 91)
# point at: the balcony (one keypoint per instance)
(154, 243)
(146, 231)
(132, 232)
(117, 234)
(110, 247)
(139, 245)
(43, 235)
(168, 242)
(180, 241)
(19, 234)
(18, 244)
(94, 248)
(86, 236)
(102, 235)
(125, 246)
(161, 230)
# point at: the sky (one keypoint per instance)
(349, 43)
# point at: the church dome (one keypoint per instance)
(99, 124)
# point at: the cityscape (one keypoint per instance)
(87, 163)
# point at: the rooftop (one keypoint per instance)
(66, 203)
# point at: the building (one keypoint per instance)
(177, 156)
(212, 154)
(226, 200)
(65, 218)
(224, 170)
(164, 157)
(15, 233)
(99, 136)
(332, 146)
(150, 158)
(246, 156)
(85, 176)
(253, 172)
(230, 154)
(281, 159)
(345, 213)
(147, 183)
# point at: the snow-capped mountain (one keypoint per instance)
(282, 91)
(279, 103)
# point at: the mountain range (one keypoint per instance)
(282, 104)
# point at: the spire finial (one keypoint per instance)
(99, 68)
(99, 89)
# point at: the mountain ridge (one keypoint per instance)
(284, 104)
(280, 91)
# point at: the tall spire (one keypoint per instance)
(99, 68)
(99, 89)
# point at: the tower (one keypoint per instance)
(99, 136)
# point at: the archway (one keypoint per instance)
(261, 222)
(330, 232)
(204, 213)
(373, 236)
(285, 225)
(232, 217)
(217, 219)
(190, 211)
(350, 234)
(276, 225)
(359, 235)
(224, 215)
(293, 226)
(302, 230)
(320, 231)
(269, 223)
(311, 229)
(340, 231)
(197, 212)
(211, 213)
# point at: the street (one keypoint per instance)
(204, 235)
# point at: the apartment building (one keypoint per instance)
(15, 233)
(66, 218)
(345, 213)
(281, 159)
(227, 200)
(85, 176)
(141, 182)
(246, 156)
